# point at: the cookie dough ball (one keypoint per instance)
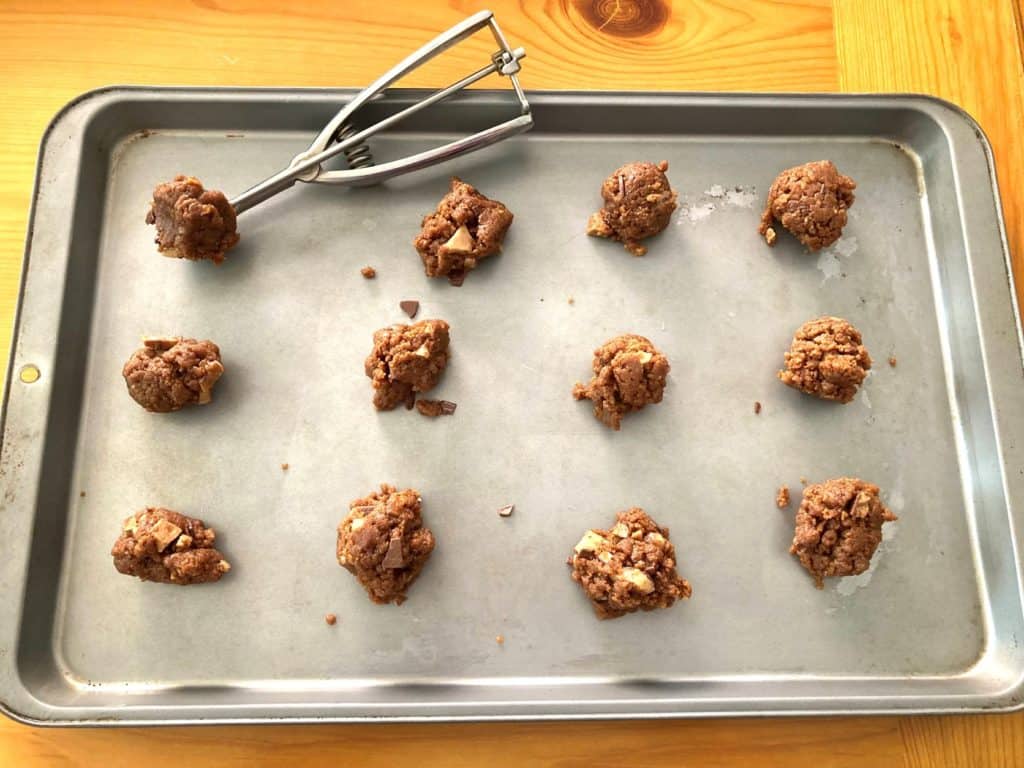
(826, 359)
(169, 373)
(157, 544)
(638, 203)
(466, 228)
(629, 373)
(631, 567)
(810, 201)
(191, 222)
(838, 527)
(384, 544)
(406, 359)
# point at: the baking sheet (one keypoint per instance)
(921, 270)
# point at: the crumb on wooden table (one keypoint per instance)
(782, 497)
(368, 272)
(331, 619)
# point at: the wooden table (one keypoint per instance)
(968, 51)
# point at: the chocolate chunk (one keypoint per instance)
(457, 277)
(507, 510)
(435, 408)
(394, 557)
(410, 307)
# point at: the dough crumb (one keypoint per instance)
(810, 201)
(571, 301)
(757, 407)
(368, 272)
(892, 361)
(782, 497)
(629, 373)
(81, 494)
(500, 639)
(285, 466)
(507, 510)
(331, 619)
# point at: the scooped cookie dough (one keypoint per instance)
(827, 359)
(191, 222)
(406, 359)
(157, 544)
(838, 527)
(466, 228)
(166, 374)
(638, 203)
(384, 544)
(631, 567)
(629, 373)
(810, 201)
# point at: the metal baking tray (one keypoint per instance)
(922, 270)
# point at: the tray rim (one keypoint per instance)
(94, 101)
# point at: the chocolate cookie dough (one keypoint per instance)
(167, 374)
(826, 359)
(406, 359)
(157, 544)
(631, 567)
(810, 201)
(466, 228)
(383, 542)
(191, 222)
(638, 203)
(838, 527)
(629, 373)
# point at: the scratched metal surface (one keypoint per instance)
(930, 626)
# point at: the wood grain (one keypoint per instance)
(824, 743)
(965, 50)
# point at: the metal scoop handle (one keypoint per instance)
(308, 165)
